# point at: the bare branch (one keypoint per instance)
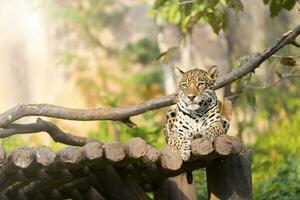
(116, 114)
(124, 113)
(55, 133)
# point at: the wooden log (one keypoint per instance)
(55, 195)
(222, 145)
(95, 182)
(39, 196)
(20, 158)
(45, 156)
(21, 195)
(151, 156)
(70, 157)
(148, 164)
(230, 177)
(6, 180)
(135, 148)
(71, 189)
(114, 152)
(81, 184)
(3, 196)
(134, 187)
(2, 155)
(54, 165)
(76, 195)
(93, 194)
(44, 180)
(236, 144)
(93, 151)
(49, 181)
(114, 187)
(175, 188)
(202, 149)
(170, 158)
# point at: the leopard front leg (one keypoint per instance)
(214, 130)
(182, 143)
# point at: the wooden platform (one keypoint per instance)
(121, 171)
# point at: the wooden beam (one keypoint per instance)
(114, 186)
(93, 194)
(230, 177)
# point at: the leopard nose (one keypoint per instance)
(191, 96)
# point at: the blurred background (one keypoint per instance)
(99, 53)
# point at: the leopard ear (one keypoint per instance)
(178, 72)
(213, 72)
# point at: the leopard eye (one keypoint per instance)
(201, 84)
(183, 85)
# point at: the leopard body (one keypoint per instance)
(197, 112)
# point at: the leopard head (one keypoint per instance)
(196, 87)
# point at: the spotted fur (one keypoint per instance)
(197, 113)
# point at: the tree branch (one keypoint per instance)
(116, 114)
(124, 113)
(242, 92)
(287, 38)
(55, 133)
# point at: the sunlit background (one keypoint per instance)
(89, 54)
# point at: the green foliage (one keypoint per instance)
(187, 13)
(12, 142)
(275, 6)
(144, 51)
(276, 161)
(201, 184)
(148, 82)
(284, 184)
(148, 128)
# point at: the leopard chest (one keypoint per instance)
(188, 126)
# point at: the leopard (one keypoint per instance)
(197, 113)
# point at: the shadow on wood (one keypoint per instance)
(230, 177)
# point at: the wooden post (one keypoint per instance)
(176, 188)
(230, 178)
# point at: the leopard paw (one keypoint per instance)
(186, 155)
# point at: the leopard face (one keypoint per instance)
(196, 88)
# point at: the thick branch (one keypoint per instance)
(117, 114)
(124, 113)
(55, 133)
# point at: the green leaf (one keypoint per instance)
(212, 3)
(275, 7)
(288, 61)
(251, 99)
(188, 9)
(214, 22)
(235, 4)
(289, 4)
(159, 3)
(194, 19)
